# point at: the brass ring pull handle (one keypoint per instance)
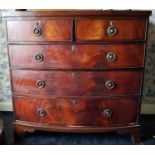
(39, 57)
(107, 113)
(41, 112)
(111, 56)
(112, 30)
(40, 84)
(109, 84)
(37, 31)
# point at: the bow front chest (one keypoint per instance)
(77, 71)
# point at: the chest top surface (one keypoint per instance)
(140, 13)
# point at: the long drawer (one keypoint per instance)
(76, 83)
(40, 30)
(85, 56)
(70, 111)
(110, 29)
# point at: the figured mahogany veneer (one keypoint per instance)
(76, 83)
(52, 30)
(77, 71)
(76, 56)
(96, 29)
(84, 112)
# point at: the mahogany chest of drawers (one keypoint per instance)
(77, 71)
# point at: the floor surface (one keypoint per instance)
(51, 138)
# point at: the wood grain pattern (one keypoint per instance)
(22, 126)
(52, 30)
(76, 83)
(86, 56)
(95, 30)
(74, 45)
(84, 112)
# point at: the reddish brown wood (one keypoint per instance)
(79, 13)
(95, 30)
(76, 129)
(72, 111)
(52, 30)
(86, 56)
(77, 83)
(74, 45)
(20, 129)
(135, 137)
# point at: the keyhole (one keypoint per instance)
(74, 74)
(74, 102)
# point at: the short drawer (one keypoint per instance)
(70, 111)
(85, 56)
(40, 30)
(110, 30)
(76, 83)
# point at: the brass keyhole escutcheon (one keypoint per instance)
(73, 48)
(74, 102)
(74, 74)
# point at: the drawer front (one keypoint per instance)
(40, 30)
(110, 30)
(76, 83)
(85, 112)
(76, 56)
(70, 111)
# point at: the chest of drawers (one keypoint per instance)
(77, 71)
